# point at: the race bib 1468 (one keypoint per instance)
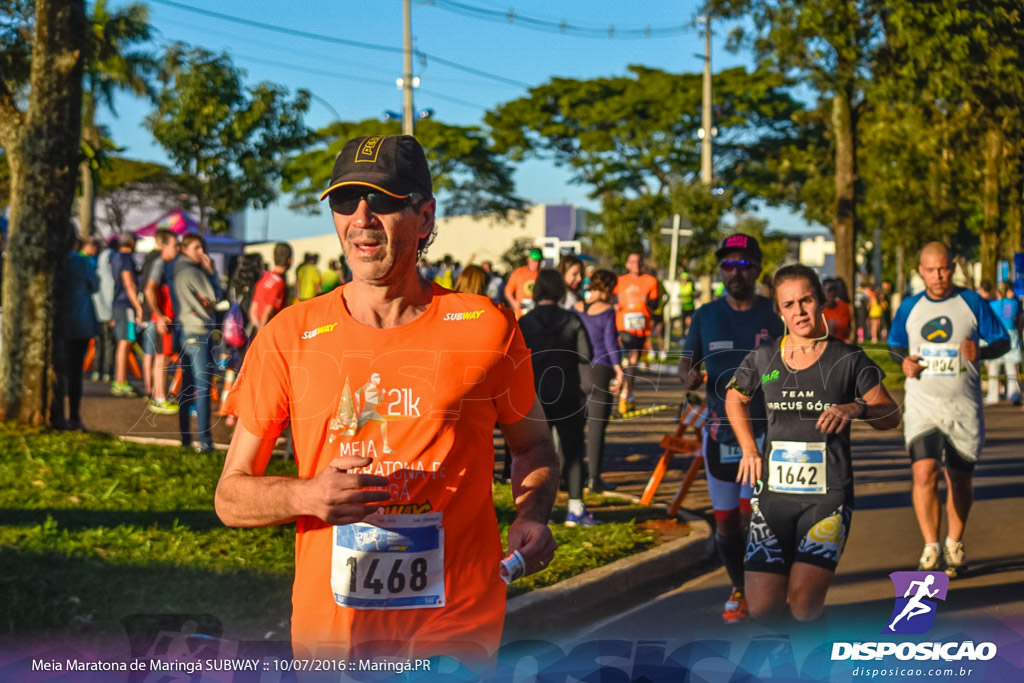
(389, 562)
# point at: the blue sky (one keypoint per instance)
(359, 83)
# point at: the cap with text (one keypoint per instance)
(742, 243)
(392, 164)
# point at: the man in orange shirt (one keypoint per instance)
(519, 288)
(397, 547)
(638, 295)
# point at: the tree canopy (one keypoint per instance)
(467, 172)
(228, 141)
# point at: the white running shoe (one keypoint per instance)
(929, 561)
(956, 559)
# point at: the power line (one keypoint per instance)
(338, 41)
(346, 77)
(551, 26)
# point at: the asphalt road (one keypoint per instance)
(884, 538)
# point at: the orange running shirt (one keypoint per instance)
(631, 313)
(422, 400)
(520, 286)
(838, 319)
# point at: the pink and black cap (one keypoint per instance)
(392, 164)
(745, 244)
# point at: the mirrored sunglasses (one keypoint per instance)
(740, 264)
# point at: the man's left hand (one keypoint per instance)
(969, 350)
(534, 542)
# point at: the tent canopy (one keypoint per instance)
(175, 220)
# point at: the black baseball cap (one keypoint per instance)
(392, 164)
(742, 243)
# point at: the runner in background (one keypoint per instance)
(722, 333)
(519, 288)
(602, 379)
(636, 296)
(934, 338)
(813, 387)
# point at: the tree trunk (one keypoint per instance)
(845, 215)
(87, 202)
(989, 247)
(43, 149)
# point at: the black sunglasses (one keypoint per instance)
(741, 264)
(378, 202)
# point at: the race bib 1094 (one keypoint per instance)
(940, 360)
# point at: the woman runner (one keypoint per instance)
(814, 386)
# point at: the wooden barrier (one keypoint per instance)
(692, 417)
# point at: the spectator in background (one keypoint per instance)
(687, 299)
(269, 294)
(1007, 309)
(838, 315)
(495, 284)
(885, 299)
(307, 278)
(445, 273)
(242, 285)
(158, 344)
(559, 344)
(571, 269)
(860, 313)
(195, 296)
(472, 280)
(331, 277)
(602, 379)
(874, 304)
(102, 299)
(75, 309)
(126, 310)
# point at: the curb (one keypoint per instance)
(623, 583)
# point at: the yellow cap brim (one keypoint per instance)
(334, 187)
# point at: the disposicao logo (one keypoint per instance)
(914, 613)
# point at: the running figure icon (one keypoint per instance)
(915, 607)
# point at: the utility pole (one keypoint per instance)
(707, 129)
(407, 116)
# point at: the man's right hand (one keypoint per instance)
(339, 496)
(912, 366)
(693, 379)
(162, 322)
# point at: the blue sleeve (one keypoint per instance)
(898, 329)
(990, 327)
(693, 345)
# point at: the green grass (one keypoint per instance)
(879, 352)
(93, 529)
